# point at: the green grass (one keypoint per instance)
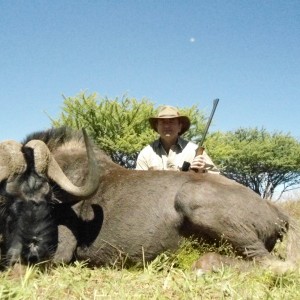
(170, 282)
(167, 277)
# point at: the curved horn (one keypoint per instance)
(46, 163)
(11, 159)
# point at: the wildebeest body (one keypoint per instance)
(142, 213)
(156, 222)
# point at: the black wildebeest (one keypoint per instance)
(60, 203)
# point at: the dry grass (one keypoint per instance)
(292, 207)
(167, 277)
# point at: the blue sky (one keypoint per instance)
(246, 53)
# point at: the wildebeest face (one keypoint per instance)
(30, 230)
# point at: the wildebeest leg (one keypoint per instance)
(209, 217)
(67, 243)
(214, 262)
(67, 234)
(215, 217)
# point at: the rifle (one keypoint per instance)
(186, 165)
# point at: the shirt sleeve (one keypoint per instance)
(141, 162)
(210, 166)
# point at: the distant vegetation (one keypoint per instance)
(258, 159)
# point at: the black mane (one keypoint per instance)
(54, 137)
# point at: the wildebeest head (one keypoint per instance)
(27, 174)
(30, 232)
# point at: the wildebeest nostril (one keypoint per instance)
(33, 256)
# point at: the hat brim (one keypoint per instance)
(184, 120)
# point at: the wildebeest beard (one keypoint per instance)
(31, 233)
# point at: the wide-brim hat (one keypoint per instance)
(170, 112)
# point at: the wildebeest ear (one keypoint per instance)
(11, 160)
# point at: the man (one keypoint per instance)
(170, 150)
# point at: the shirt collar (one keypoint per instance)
(181, 143)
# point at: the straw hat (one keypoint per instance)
(170, 112)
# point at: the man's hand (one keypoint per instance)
(199, 163)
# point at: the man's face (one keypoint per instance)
(168, 127)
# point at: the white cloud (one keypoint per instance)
(192, 40)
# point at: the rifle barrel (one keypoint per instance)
(215, 103)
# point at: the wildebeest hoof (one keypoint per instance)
(279, 267)
(215, 262)
(209, 262)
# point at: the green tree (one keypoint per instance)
(255, 158)
(260, 160)
(119, 126)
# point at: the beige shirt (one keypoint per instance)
(155, 157)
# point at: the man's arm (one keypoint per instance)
(141, 162)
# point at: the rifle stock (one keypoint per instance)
(199, 150)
